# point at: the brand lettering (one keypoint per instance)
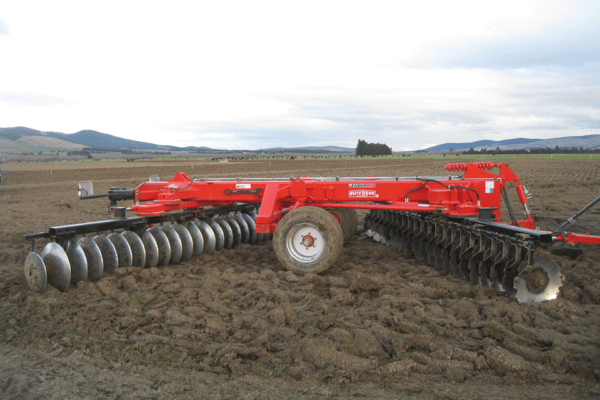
(361, 185)
(362, 193)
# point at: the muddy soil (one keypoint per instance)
(379, 324)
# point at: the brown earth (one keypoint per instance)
(236, 325)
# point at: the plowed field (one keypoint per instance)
(237, 325)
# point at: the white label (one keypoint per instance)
(243, 186)
(489, 186)
(362, 193)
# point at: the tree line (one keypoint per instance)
(372, 149)
(537, 150)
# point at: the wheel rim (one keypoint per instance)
(305, 243)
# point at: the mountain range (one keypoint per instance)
(586, 142)
(22, 139)
(19, 138)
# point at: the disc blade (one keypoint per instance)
(152, 251)
(58, 269)
(138, 252)
(93, 256)
(197, 239)
(367, 225)
(243, 227)
(124, 253)
(208, 235)
(235, 229)
(541, 283)
(79, 266)
(260, 237)
(35, 272)
(227, 233)
(187, 243)
(219, 234)
(110, 258)
(174, 242)
(251, 228)
(164, 247)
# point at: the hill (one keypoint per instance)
(586, 142)
(25, 140)
(56, 141)
(91, 138)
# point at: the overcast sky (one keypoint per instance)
(254, 74)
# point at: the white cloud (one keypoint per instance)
(266, 74)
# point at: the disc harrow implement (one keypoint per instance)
(451, 222)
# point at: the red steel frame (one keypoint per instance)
(462, 196)
(453, 196)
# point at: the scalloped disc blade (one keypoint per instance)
(110, 258)
(197, 239)
(58, 269)
(152, 251)
(174, 242)
(94, 259)
(124, 253)
(35, 272)
(187, 243)
(164, 247)
(79, 265)
(542, 283)
(208, 236)
(138, 251)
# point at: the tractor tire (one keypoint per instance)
(308, 239)
(348, 221)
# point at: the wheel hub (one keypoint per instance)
(305, 243)
(308, 241)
